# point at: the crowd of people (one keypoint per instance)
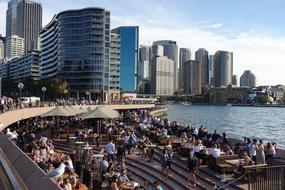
(142, 138)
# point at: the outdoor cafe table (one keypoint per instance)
(235, 162)
(151, 145)
(129, 186)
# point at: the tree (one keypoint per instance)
(262, 98)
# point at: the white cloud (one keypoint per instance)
(216, 25)
(254, 50)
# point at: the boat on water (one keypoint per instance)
(186, 103)
(228, 104)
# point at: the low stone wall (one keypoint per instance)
(31, 174)
(159, 112)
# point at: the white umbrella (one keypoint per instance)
(59, 111)
(100, 112)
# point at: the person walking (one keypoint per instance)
(192, 169)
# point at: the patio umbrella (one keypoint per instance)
(76, 110)
(59, 111)
(100, 112)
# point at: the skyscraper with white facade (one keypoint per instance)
(184, 55)
(2, 49)
(248, 79)
(170, 50)
(162, 76)
(14, 46)
(202, 55)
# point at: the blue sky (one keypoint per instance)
(253, 29)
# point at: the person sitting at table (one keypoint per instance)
(163, 133)
(184, 137)
(66, 184)
(246, 160)
(114, 184)
(123, 178)
(229, 150)
(104, 165)
(215, 152)
(110, 170)
(73, 179)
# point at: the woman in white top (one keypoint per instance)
(197, 148)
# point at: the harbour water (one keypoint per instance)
(256, 122)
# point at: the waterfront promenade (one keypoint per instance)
(14, 116)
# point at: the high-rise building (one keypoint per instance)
(144, 62)
(170, 50)
(211, 70)
(11, 18)
(162, 76)
(247, 79)
(223, 68)
(4, 70)
(14, 46)
(29, 21)
(25, 66)
(75, 45)
(115, 66)
(192, 77)
(184, 55)
(235, 80)
(2, 49)
(129, 56)
(202, 55)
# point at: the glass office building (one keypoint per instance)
(76, 46)
(129, 56)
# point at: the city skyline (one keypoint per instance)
(216, 28)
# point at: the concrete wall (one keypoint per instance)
(11, 117)
(30, 173)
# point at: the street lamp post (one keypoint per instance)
(20, 86)
(65, 92)
(44, 89)
(88, 95)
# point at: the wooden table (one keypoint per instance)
(234, 162)
(128, 186)
(151, 145)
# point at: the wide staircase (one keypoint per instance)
(146, 173)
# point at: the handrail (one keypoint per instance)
(231, 182)
(11, 176)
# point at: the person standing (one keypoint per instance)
(192, 168)
(252, 150)
(110, 149)
(260, 155)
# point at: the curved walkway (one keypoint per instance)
(11, 117)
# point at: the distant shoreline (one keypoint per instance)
(238, 105)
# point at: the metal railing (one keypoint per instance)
(266, 178)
